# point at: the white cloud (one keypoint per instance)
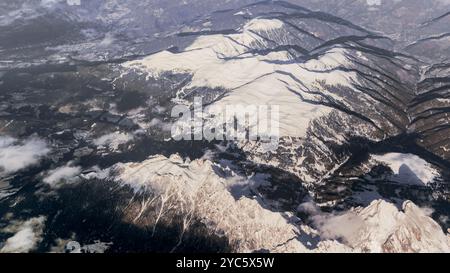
(374, 2)
(59, 175)
(107, 40)
(16, 155)
(27, 235)
(344, 226)
(114, 140)
(74, 2)
(50, 3)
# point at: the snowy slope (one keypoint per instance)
(386, 229)
(408, 168)
(331, 91)
(193, 188)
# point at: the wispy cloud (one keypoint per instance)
(67, 173)
(335, 226)
(113, 140)
(27, 235)
(16, 155)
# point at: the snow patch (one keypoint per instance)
(408, 168)
(331, 59)
(263, 25)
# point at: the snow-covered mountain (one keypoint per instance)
(173, 188)
(342, 90)
(86, 92)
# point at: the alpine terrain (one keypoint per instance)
(89, 161)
